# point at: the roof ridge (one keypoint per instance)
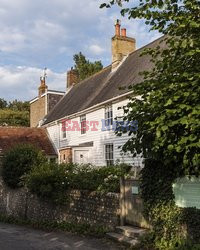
(141, 48)
(87, 78)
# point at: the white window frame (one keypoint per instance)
(108, 115)
(63, 133)
(83, 124)
(109, 155)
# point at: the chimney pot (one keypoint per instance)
(123, 31)
(117, 28)
(43, 87)
(72, 77)
(122, 45)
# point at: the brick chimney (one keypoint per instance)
(43, 87)
(72, 77)
(121, 45)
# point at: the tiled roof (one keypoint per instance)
(104, 85)
(11, 136)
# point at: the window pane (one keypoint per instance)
(109, 154)
(83, 124)
(108, 116)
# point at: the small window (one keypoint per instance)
(64, 134)
(83, 124)
(108, 116)
(109, 154)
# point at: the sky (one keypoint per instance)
(39, 34)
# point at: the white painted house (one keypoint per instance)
(75, 123)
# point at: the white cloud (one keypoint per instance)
(96, 49)
(46, 33)
(11, 39)
(22, 82)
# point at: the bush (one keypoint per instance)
(18, 162)
(51, 180)
(103, 179)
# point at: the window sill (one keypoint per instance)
(82, 135)
(63, 139)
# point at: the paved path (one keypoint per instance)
(14, 237)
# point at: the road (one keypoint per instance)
(14, 237)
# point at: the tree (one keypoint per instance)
(168, 112)
(19, 161)
(19, 105)
(3, 103)
(84, 67)
(17, 118)
(15, 113)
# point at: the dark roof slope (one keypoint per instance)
(103, 86)
(11, 136)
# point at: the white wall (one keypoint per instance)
(99, 138)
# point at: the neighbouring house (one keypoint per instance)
(43, 103)
(11, 136)
(82, 124)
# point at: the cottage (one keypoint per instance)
(82, 125)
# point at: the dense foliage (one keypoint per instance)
(168, 114)
(173, 227)
(84, 67)
(18, 161)
(51, 180)
(15, 113)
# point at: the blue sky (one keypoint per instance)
(38, 34)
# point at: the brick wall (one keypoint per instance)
(37, 111)
(82, 207)
(66, 155)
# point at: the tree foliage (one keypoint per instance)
(84, 67)
(168, 115)
(15, 113)
(18, 161)
(3, 103)
(168, 111)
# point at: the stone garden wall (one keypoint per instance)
(81, 207)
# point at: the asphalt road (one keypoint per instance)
(14, 237)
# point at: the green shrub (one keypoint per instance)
(51, 180)
(103, 179)
(18, 161)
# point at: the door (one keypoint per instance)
(132, 204)
(81, 156)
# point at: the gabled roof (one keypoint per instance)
(103, 85)
(11, 136)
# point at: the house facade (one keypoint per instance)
(85, 137)
(82, 125)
